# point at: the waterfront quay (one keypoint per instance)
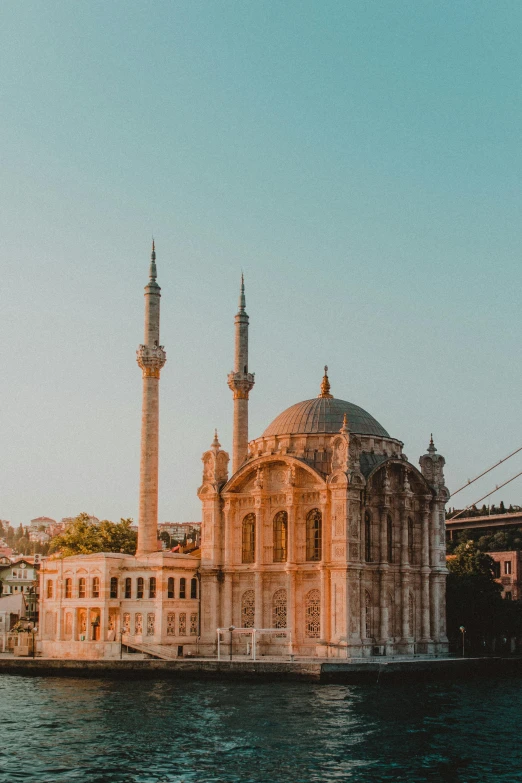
(311, 670)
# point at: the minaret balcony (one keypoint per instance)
(151, 359)
(241, 383)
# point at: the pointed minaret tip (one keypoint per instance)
(431, 447)
(325, 385)
(216, 445)
(242, 299)
(152, 269)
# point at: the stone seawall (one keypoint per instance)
(450, 669)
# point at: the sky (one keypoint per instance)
(360, 162)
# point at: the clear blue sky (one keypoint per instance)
(360, 161)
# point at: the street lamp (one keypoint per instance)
(231, 629)
(463, 632)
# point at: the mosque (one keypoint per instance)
(325, 541)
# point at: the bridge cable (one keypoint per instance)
(486, 471)
(499, 486)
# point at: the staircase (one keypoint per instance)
(165, 652)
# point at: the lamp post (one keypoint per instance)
(463, 632)
(231, 629)
(34, 632)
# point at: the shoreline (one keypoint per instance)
(306, 671)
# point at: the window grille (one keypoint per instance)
(279, 608)
(151, 620)
(389, 538)
(138, 623)
(182, 626)
(367, 615)
(248, 609)
(171, 624)
(248, 539)
(368, 537)
(193, 623)
(313, 614)
(280, 526)
(314, 524)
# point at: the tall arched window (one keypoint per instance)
(68, 587)
(314, 525)
(152, 587)
(279, 609)
(170, 587)
(410, 540)
(194, 587)
(114, 586)
(389, 538)
(280, 529)
(82, 592)
(182, 587)
(139, 587)
(368, 537)
(49, 588)
(248, 609)
(95, 587)
(367, 614)
(248, 539)
(128, 587)
(313, 614)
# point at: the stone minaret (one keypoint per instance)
(240, 382)
(151, 357)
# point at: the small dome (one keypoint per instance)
(324, 414)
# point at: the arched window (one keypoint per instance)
(82, 591)
(410, 540)
(152, 587)
(248, 539)
(367, 614)
(411, 615)
(248, 609)
(68, 587)
(194, 587)
(95, 587)
(128, 587)
(313, 614)
(114, 586)
(389, 538)
(139, 587)
(279, 609)
(280, 526)
(314, 524)
(170, 587)
(49, 588)
(368, 537)
(182, 587)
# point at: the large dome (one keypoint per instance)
(324, 414)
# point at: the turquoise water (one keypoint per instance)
(168, 731)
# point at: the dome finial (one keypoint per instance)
(431, 447)
(216, 445)
(325, 385)
(344, 428)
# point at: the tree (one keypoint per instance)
(83, 537)
(474, 600)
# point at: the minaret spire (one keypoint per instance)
(240, 382)
(150, 357)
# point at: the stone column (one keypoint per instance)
(150, 357)
(425, 573)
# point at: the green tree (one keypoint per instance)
(83, 537)
(474, 600)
